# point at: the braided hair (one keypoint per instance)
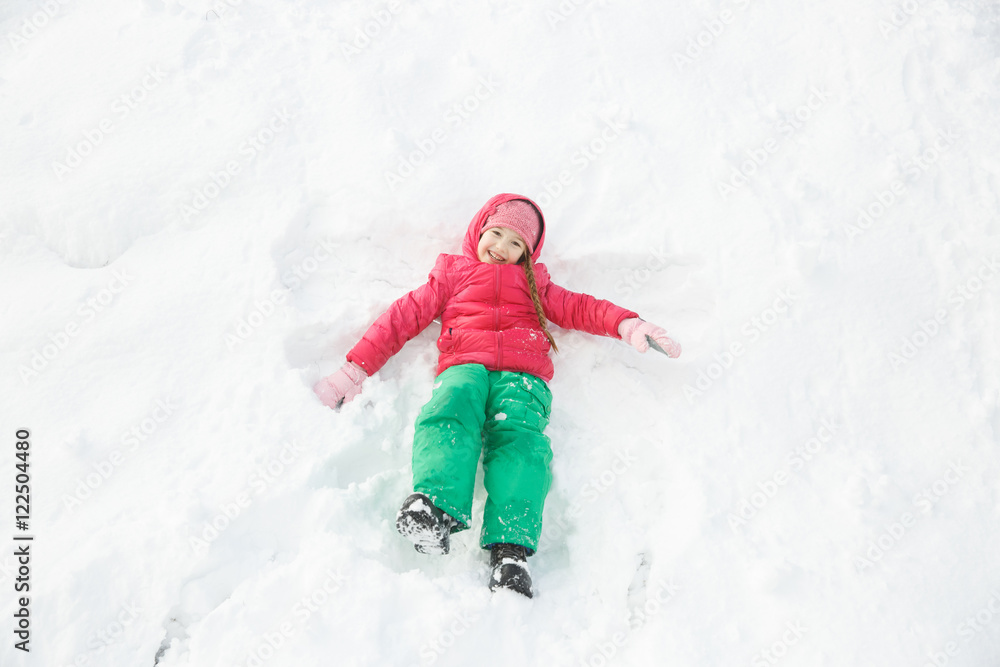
(529, 272)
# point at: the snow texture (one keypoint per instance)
(206, 203)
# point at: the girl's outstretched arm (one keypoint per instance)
(405, 318)
(574, 310)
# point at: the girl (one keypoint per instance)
(491, 395)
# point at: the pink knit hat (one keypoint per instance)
(520, 216)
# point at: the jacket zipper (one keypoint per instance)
(496, 322)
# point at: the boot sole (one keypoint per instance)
(427, 536)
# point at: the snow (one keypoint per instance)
(420, 506)
(205, 206)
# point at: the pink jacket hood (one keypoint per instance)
(475, 231)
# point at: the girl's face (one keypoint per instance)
(499, 245)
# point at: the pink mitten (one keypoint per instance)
(634, 331)
(342, 386)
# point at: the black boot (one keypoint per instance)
(510, 568)
(425, 525)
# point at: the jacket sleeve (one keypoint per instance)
(574, 310)
(405, 318)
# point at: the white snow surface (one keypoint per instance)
(197, 224)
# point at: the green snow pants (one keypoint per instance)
(501, 414)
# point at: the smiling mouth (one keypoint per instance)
(495, 256)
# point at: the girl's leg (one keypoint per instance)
(517, 459)
(448, 440)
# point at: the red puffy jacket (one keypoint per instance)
(486, 312)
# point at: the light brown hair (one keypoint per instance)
(529, 272)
